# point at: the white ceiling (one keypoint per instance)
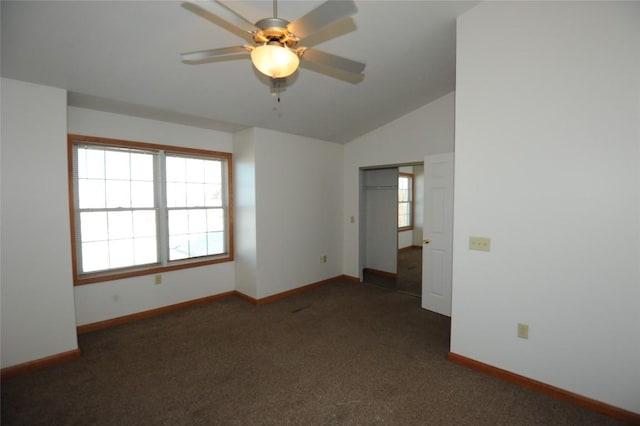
(124, 56)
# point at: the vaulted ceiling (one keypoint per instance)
(124, 57)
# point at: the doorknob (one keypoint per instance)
(426, 241)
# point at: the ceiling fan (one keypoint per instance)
(274, 50)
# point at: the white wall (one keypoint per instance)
(547, 166)
(244, 169)
(112, 299)
(38, 317)
(427, 130)
(299, 210)
(405, 239)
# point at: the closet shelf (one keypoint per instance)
(380, 187)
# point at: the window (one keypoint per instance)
(141, 208)
(405, 201)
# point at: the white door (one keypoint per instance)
(437, 234)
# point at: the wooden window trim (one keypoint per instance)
(411, 176)
(149, 269)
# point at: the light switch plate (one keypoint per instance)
(523, 331)
(480, 243)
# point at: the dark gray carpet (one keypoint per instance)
(409, 279)
(344, 353)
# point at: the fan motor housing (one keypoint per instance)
(274, 29)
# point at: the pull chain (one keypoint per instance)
(275, 89)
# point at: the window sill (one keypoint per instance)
(147, 270)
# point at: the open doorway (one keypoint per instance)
(379, 218)
(379, 226)
(410, 228)
(391, 227)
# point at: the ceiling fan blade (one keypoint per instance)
(204, 55)
(333, 61)
(320, 17)
(221, 22)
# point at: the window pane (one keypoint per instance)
(403, 195)
(142, 167)
(90, 163)
(118, 193)
(145, 251)
(95, 256)
(403, 182)
(213, 171)
(404, 215)
(195, 170)
(117, 165)
(93, 226)
(144, 224)
(197, 221)
(213, 195)
(215, 220)
(195, 194)
(178, 222)
(121, 253)
(142, 194)
(176, 195)
(91, 193)
(120, 225)
(197, 245)
(178, 247)
(175, 169)
(195, 233)
(215, 243)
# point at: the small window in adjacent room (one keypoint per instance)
(405, 201)
(140, 208)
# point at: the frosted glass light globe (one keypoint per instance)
(274, 60)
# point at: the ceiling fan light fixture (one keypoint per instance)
(274, 60)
